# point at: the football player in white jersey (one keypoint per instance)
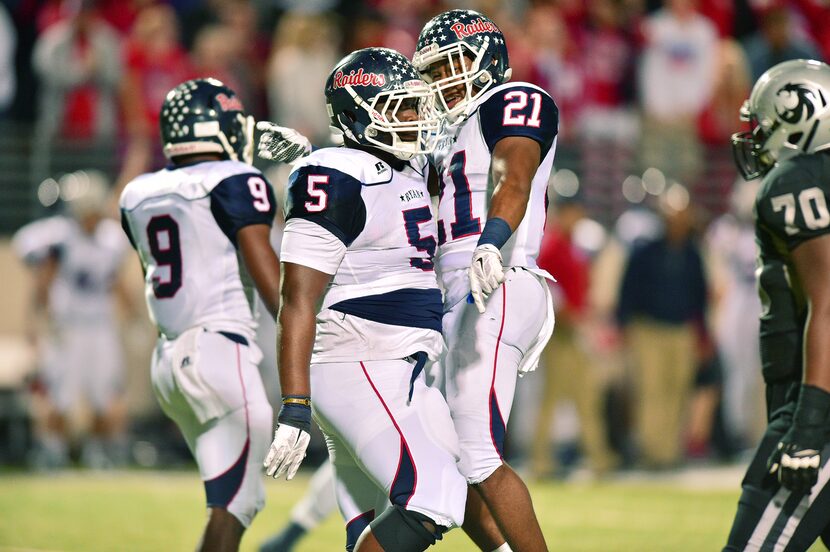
(76, 260)
(358, 272)
(191, 223)
(494, 161)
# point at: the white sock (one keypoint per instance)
(503, 548)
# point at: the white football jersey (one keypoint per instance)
(463, 162)
(370, 225)
(88, 265)
(183, 223)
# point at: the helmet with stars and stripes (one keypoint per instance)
(462, 54)
(375, 97)
(205, 116)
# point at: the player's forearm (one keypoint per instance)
(297, 331)
(509, 201)
(817, 348)
(515, 161)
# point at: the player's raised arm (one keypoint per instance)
(281, 144)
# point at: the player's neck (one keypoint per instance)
(385, 156)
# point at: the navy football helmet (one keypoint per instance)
(471, 50)
(205, 116)
(369, 90)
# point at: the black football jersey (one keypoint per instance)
(791, 208)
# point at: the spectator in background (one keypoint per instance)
(305, 50)
(79, 70)
(155, 63)
(776, 41)
(663, 295)
(606, 53)
(8, 46)
(555, 65)
(213, 55)
(75, 262)
(731, 249)
(569, 374)
(607, 126)
(677, 71)
(731, 87)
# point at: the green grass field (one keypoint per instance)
(152, 511)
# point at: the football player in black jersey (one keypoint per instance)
(785, 504)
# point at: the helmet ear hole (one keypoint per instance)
(795, 138)
(482, 80)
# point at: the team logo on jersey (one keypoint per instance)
(358, 78)
(799, 95)
(478, 26)
(229, 104)
(411, 194)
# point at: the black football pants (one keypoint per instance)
(770, 517)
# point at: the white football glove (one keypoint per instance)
(281, 144)
(287, 451)
(486, 273)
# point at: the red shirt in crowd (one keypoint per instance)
(565, 262)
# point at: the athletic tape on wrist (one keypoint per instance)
(496, 232)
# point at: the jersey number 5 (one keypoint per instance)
(412, 218)
(163, 238)
(319, 196)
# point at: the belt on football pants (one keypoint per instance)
(420, 359)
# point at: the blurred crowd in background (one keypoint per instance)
(654, 359)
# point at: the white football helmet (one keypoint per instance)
(788, 112)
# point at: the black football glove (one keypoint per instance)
(797, 458)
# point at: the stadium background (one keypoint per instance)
(648, 93)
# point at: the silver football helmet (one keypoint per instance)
(788, 113)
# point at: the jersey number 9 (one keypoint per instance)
(163, 238)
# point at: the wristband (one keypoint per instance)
(296, 399)
(813, 407)
(297, 415)
(496, 232)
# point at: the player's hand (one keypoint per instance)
(287, 451)
(290, 441)
(797, 458)
(486, 273)
(281, 144)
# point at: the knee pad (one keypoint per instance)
(404, 530)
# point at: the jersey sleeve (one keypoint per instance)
(794, 206)
(241, 200)
(519, 111)
(328, 198)
(125, 226)
(39, 240)
(305, 243)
